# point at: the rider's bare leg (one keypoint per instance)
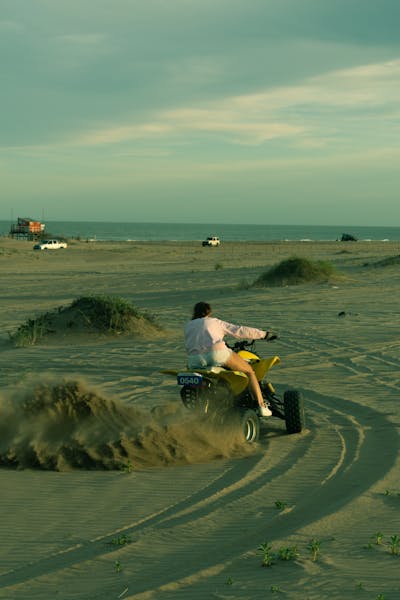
(237, 363)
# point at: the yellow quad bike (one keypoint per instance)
(224, 395)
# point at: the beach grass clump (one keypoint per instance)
(267, 554)
(108, 313)
(101, 314)
(280, 504)
(314, 547)
(288, 553)
(295, 271)
(121, 540)
(117, 566)
(395, 545)
(31, 332)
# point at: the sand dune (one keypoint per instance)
(109, 489)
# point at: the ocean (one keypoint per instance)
(158, 232)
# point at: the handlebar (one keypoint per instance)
(270, 337)
(249, 344)
(242, 345)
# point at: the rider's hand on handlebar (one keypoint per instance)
(269, 336)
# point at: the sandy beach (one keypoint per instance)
(186, 515)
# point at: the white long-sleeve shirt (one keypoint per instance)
(207, 333)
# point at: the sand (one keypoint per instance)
(177, 509)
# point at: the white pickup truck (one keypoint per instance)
(50, 245)
(212, 240)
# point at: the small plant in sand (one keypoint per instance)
(360, 585)
(117, 566)
(280, 504)
(295, 271)
(121, 540)
(275, 589)
(218, 266)
(314, 547)
(394, 545)
(229, 581)
(127, 467)
(378, 538)
(391, 493)
(268, 556)
(289, 553)
(369, 546)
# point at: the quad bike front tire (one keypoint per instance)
(294, 411)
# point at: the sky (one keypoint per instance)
(210, 111)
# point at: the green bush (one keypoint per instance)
(31, 332)
(105, 314)
(295, 271)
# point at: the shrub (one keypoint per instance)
(31, 332)
(295, 271)
(105, 314)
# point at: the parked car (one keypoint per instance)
(212, 240)
(50, 245)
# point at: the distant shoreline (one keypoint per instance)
(6, 241)
(162, 232)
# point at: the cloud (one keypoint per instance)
(298, 113)
(101, 67)
(11, 26)
(191, 122)
(122, 133)
(82, 39)
(368, 85)
(335, 109)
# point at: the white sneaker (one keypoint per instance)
(265, 411)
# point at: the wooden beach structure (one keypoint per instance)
(27, 229)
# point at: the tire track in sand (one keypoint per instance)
(317, 473)
(321, 488)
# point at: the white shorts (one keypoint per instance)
(215, 358)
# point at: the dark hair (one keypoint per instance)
(201, 309)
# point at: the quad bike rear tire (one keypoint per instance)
(249, 424)
(294, 411)
(193, 399)
(214, 398)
